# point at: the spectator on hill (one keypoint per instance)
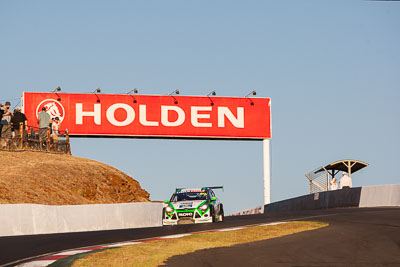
(51, 125)
(54, 131)
(1, 116)
(334, 185)
(18, 118)
(345, 181)
(43, 122)
(5, 121)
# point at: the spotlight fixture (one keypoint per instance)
(212, 93)
(174, 92)
(58, 89)
(135, 91)
(251, 93)
(97, 90)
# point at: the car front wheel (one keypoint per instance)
(212, 214)
(221, 215)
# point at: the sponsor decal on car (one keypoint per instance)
(185, 214)
(185, 205)
(192, 190)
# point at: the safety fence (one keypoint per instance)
(319, 181)
(34, 139)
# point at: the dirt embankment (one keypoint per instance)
(42, 178)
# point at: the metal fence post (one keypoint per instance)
(21, 135)
(48, 139)
(67, 140)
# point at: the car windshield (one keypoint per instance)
(188, 196)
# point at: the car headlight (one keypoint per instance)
(204, 207)
(169, 209)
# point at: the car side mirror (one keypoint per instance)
(166, 201)
(213, 199)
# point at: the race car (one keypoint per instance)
(193, 205)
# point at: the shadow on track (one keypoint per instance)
(359, 237)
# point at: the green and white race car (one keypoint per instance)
(193, 205)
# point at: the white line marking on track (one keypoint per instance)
(123, 244)
(36, 263)
(175, 236)
(274, 223)
(70, 252)
(231, 229)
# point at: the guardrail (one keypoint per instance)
(23, 139)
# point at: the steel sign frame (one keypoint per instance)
(156, 116)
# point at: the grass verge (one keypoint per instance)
(155, 253)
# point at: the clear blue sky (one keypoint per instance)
(332, 69)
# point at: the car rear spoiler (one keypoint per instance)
(216, 187)
(205, 187)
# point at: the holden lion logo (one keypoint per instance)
(53, 107)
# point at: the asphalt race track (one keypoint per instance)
(356, 238)
(360, 236)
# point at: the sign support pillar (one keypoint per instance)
(267, 171)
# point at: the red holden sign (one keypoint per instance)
(154, 116)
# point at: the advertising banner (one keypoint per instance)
(147, 116)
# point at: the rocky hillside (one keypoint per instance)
(43, 178)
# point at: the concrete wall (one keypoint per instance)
(367, 196)
(255, 210)
(380, 196)
(27, 219)
(348, 197)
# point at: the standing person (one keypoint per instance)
(43, 122)
(54, 131)
(51, 125)
(334, 185)
(5, 121)
(18, 118)
(1, 116)
(345, 181)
